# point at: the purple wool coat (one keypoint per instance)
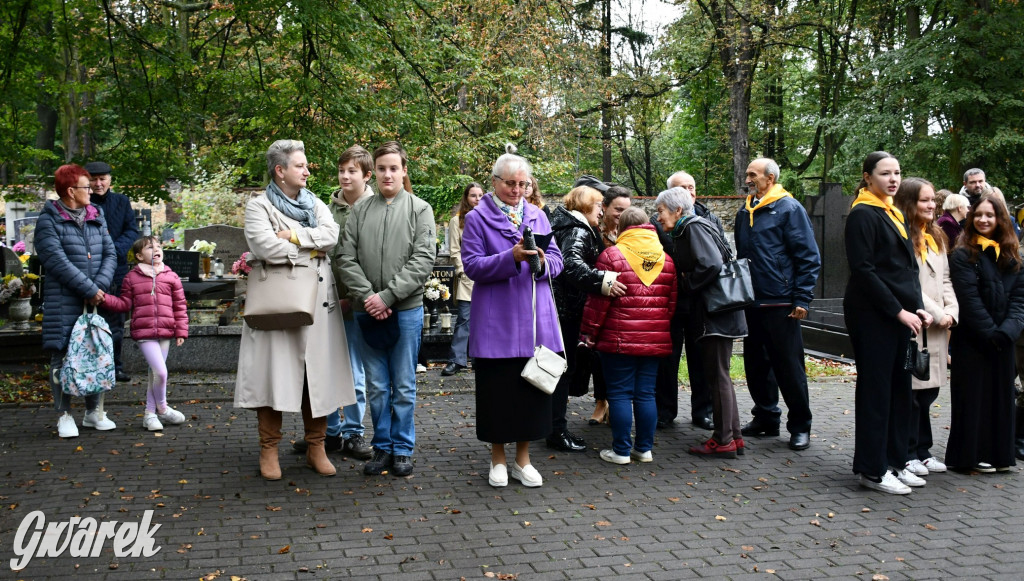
(501, 319)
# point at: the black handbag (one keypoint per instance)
(732, 289)
(918, 362)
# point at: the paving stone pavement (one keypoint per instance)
(773, 513)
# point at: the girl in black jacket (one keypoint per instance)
(987, 279)
(882, 308)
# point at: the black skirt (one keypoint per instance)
(508, 409)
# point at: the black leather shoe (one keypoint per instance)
(664, 424)
(565, 442)
(756, 429)
(704, 423)
(357, 447)
(451, 369)
(402, 466)
(331, 444)
(122, 377)
(380, 462)
(1020, 448)
(799, 441)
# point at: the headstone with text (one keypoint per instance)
(11, 262)
(446, 274)
(184, 263)
(230, 241)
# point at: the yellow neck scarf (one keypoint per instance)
(643, 252)
(927, 241)
(869, 199)
(985, 243)
(775, 193)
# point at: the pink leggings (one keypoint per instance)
(155, 353)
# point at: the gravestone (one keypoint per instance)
(184, 263)
(230, 242)
(446, 274)
(828, 212)
(11, 263)
(25, 230)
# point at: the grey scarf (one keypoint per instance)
(302, 208)
(78, 214)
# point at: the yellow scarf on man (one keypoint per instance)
(774, 193)
(985, 243)
(928, 241)
(869, 199)
(643, 252)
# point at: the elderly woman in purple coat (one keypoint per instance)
(501, 322)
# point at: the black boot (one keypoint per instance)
(1018, 443)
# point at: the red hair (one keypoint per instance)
(67, 176)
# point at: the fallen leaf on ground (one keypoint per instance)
(284, 549)
(930, 527)
(879, 577)
(719, 517)
(603, 523)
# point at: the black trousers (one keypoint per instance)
(774, 346)
(920, 428)
(666, 392)
(883, 398)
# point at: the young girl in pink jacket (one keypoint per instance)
(156, 299)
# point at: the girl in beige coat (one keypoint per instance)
(294, 370)
(916, 199)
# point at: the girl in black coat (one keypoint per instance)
(987, 279)
(882, 307)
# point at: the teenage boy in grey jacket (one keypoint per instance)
(388, 251)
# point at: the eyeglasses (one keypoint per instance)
(80, 188)
(511, 184)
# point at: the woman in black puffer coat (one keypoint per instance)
(78, 255)
(575, 229)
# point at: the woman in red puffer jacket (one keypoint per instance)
(632, 333)
(154, 295)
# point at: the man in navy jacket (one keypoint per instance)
(120, 217)
(774, 233)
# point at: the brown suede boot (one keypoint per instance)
(316, 431)
(270, 434)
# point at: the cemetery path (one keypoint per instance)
(771, 513)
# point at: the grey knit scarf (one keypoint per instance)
(302, 208)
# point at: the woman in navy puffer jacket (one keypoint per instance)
(632, 333)
(78, 254)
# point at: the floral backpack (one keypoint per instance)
(89, 364)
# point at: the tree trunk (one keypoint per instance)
(606, 73)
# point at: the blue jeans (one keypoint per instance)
(460, 338)
(631, 380)
(353, 424)
(391, 385)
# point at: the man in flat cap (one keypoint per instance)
(117, 209)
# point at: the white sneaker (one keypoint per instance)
(889, 484)
(66, 427)
(916, 467)
(152, 423)
(642, 456)
(933, 464)
(421, 368)
(172, 416)
(97, 419)
(984, 467)
(528, 475)
(498, 476)
(910, 479)
(611, 456)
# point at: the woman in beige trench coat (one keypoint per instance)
(305, 369)
(916, 199)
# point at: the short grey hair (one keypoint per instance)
(973, 171)
(955, 202)
(280, 152)
(678, 174)
(675, 199)
(771, 168)
(509, 163)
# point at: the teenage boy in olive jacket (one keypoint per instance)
(387, 255)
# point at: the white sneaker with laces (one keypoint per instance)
(611, 456)
(152, 423)
(498, 475)
(889, 484)
(933, 464)
(642, 456)
(910, 479)
(66, 427)
(916, 467)
(97, 419)
(528, 475)
(172, 416)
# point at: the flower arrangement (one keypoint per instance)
(203, 247)
(19, 247)
(434, 290)
(241, 267)
(18, 287)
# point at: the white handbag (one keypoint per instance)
(545, 367)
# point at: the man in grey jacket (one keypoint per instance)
(387, 254)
